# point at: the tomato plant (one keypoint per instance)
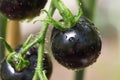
(75, 41)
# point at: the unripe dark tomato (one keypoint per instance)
(21, 9)
(78, 47)
(8, 72)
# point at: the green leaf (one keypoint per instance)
(3, 22)
(8, 47)
(88, 7)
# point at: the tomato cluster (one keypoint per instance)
(74, 48)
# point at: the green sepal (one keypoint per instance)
(17, 61)
(22, 63)
(27, 41)
(8, 47)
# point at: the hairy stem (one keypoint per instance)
(41, 37)
(64, 11)
(40, 62)
(66, 14)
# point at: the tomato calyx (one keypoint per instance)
(17, 61)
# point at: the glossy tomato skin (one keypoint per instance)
(21, 9)
(78, 47)
(9, 73)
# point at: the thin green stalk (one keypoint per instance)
(41, 38)
(41, 35)
(69, 19)
(40, 64)
(3, 22)
(39, 69)
(64, 12)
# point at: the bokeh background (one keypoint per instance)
(107, 20)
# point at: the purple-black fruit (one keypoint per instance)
(21, 9)
(78, 47)
(7, 72)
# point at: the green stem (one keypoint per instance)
(3, 22)
(41, 38)
(88, 7)
(40, 62)
(69, 19)
(39, 73)
(27, 41)
(79, 75)
(41, 35)
(80, 11)
(65, 13)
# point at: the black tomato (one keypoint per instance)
(78, 47)
(21, 9)
(8, 72)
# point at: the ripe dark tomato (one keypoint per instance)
(9, 73)
(78, 47)
(21, 9)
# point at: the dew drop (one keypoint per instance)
(71, 39)
(65, 36)
(84, 61)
